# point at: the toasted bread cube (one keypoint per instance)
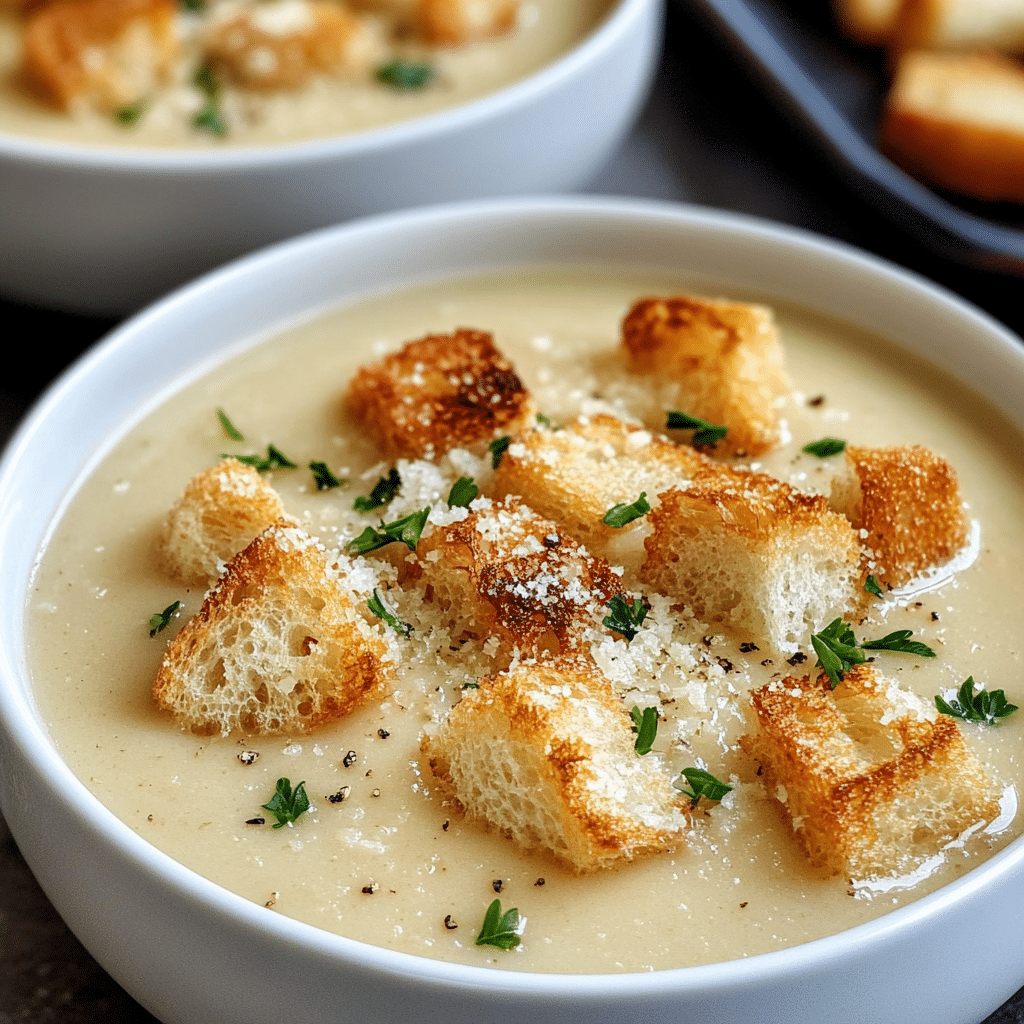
(107, 53)
(868, 21)
(281, 43)
(956, 120)
(961, 25)
(456, 22)
(545, 753)
(441, 392)
(276, 646)
(576, 474)
(222, 510)
(754, 555)
(505, 572)
(873, 780)
(725, 357)
(906, 503)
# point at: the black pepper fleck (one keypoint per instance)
(249, 756)
(746, 647)
(540, 881)
(383, 733)
(766, 662)
(444, 827)
(742, 905)
(336, 798)
(552, 540)
(798, 659)
(816, 400)
(726, 664)
(497, 885)
(449, 923)
(370, 889)
(935, 616)
(255, 821)
(349, 759)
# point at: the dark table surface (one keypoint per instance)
(711, 134)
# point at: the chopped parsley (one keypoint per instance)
(546, 421)
(706, 433)
(229, 428)
(497, 448)
(645, 725)
(159, 622)
(702, 784)
(462, 493)
(382, 611)
(838, 651)
(402, 73)
(384, 490)
(976, 707)
(323, 477)
(626, 616)
(621, 515)
(129, 116)
(872, 587)
(825, 448)
(900, 643)
(407, 530)
(209, 118)
(274, 459)
(499, 928)
(287, 804)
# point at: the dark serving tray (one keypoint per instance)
(834, 90)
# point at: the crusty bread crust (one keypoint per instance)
(277, 645)
(960, 25)
(871, 22)
(457, 22)
(545, 754)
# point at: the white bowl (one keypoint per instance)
(104, 230)
(189, 950)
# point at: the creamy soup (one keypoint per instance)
(394, 865)
(326, 104)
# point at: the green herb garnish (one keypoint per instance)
(837, 650)
(702, 784)
(382, 494)
(470, 686)
(645, 725)
(130, 115)
(499, 929)
(405, 74)
(626, 616)
(707, 433)
(382, 611)
(899, 642)
(229, 428)
(620, 515)
(407, 530)
(462, 493)
(209, 118)
(274, 459)
(976, 707)
(323, 477)
(159, 622)
(872, 587)
(194, 6)
(497, 448)
(825, 448)
(287, 804)
(546, 421)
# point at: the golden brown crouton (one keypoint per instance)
(906, 503)
(753, 554)
(456, 22)
(576, 474)
(545, 753)
(961, 25)
(868, 21)
(279, 45)
(277, 644)
(222, 510)
(440, 392)
(873, 780)
(503, 571)
(726, 358)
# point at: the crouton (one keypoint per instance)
(574, 475)
(754, 555)
(871, 22)
(961, 25)
(106, 53)
(545, 753)
(873, 780)
(222, 510)
(456, 22)
(276, 646)
(440, 392)
(281, 43)
(726, 358)
(905, 502)
(505, 572)
(957, 121)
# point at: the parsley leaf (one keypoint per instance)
(229, 428)
(209, 118)
(546, 421)
(707, 433)
(703, 784)
(872, 587)
(287, 804)
(130, 115)
(976, 707)
(407, 530)
(323, 477)
(159, 622)
(627, 616)
(825, 448)
(899, 642)
(622, 514)
(382, 611)
(837, 650)
(405, 74)
(497, 448)
(274, 459)
(462, 493)
(383, 492)
(645, 725)
(499, 929)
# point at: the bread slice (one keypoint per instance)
(905, 502)
(956, 120)
(853, 767)
(545, 753)
(755, 556)
(457, 22)
(961, 25)
(441, 392)
(871, 22)
(222, 510)
(277, 645)
(726, 358)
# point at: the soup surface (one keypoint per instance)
(393, 864)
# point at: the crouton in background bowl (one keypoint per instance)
(187, 948)
(101, 228)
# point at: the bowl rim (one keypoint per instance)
(36, 747)
(616, 23)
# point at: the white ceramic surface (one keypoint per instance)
(190, 951)
(104, 230)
